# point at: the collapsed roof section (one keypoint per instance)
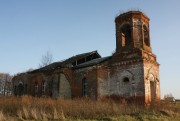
(77, 61)
(92, 62)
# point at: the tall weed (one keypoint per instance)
(31, 108)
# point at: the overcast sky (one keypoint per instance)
(29, 28)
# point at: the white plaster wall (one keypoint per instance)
(64, 87)
(113, 84)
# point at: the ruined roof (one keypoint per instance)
(79, 56)
(68, 61)
(130, 13)
(92, 62)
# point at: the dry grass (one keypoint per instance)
(29, 108)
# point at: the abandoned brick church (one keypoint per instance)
(131, 72)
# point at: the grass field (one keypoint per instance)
(27, 108)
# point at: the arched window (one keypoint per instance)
(43, 88)
(126, 35)
(15, 90)
(146, 35)
(25, 88)
(126, 86)
(20, 89)
(126, 80)
(84, 87)
(36, 89)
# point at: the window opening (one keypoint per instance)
(85, 87)
(25, 88)
(20, 89)
(43, 87)
(15, 90)
(126, 87)
(126, 35)
(36, 89)
(123, 39)
(126, 80)
(146, 35)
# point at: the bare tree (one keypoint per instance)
(5, 84)
(46, 59)
(169, 97)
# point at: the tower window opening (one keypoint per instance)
(123, 39)
(126, 35)
(146, 36)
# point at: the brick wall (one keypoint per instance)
(152, 81)
(90, 73)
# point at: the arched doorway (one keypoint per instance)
(152, 87)
(152, 90)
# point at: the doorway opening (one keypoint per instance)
(152, 91)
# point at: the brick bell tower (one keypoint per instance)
(134, 56)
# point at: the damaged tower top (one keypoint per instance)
(132, 31)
